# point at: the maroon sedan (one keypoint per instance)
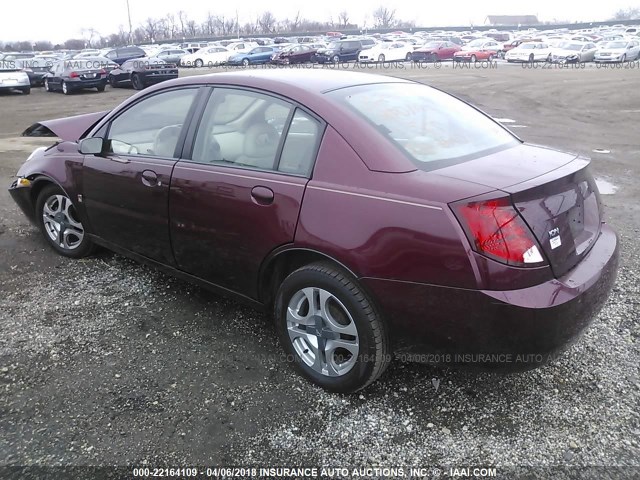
(294, 54)
(371, 215)
(435, 51)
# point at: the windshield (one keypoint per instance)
(433, 128)
(476, 43)
(334, 46)
(431, 45)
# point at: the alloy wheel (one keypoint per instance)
(61, 223)
(322, 331)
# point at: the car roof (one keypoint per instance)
(284, 82)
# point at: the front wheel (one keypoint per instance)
(245, 62)
(336, 59)
(47, 88)
(473, 59)
(57, 218)
(330, 329)
(26, 91)
(198, 63)
(136, 81)
(381, 58)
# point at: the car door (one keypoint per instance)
(236, 195)
(126, 189)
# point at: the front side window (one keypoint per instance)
(153, 125)
(431, 127)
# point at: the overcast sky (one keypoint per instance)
(57, 21)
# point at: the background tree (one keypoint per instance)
(384, 17)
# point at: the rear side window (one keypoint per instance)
(431, 127)
(299, 151)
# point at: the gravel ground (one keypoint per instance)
(106, 362)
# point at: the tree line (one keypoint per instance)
(178, 26)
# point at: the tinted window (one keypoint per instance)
(428, 125)
(152, 126)
(242, 128)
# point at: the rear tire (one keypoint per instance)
(26, 91)
(330, 329)
(57, 219)
(198, 63)
(473, 59)
(65, 88)
(47, 88)
(100, 88)
(381, 58)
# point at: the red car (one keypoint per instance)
(370, 214)
(435, 51)
(294, 54)
(480, 49)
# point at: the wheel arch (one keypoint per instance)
(40, 181)
(285, 261)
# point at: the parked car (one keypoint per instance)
(480, 49)
(13, 78)
(242, 47)
(386, 52)
(435, 51)
(121, 55)
(365, 231)
(206, 57)
(529, 52)
(254, 56)
(618, 51)
(10, 56)
(339, 51)
(35, 68)
(142, 72)
(573, 52)
(293, 54)
(171, 55)
(69, 76)
(193, 47)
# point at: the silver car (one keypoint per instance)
(573, 52)
(14, 78)
(618, 51)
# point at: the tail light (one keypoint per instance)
(496, 229)
(74, 75)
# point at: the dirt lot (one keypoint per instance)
(103, 361)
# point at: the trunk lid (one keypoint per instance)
(554, 193)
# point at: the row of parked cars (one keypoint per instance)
(141, 66)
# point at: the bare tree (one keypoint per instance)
(627, 14)
(182, 19)
(71, 44)
(384, 17)
(151, 29)
(209, 25)
(266, 22)
(43, 45)
(171, 25)
(192, 28)
(343, 18)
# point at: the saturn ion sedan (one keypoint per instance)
(372, 216)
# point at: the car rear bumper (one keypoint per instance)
(505, 330)
(98, 82)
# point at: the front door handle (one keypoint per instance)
(262, 195)
(150, 178)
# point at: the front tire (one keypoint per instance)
(330, 329)
(381, 58)
(136, 82)
(57, 219)
(26, 91)
(198, 63)
(245, 62)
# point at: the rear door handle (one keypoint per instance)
(150, 178)
(262, 195)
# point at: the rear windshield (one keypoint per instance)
(434, 129)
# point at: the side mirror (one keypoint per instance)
(92, 146)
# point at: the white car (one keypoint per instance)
(386, 52)
(242, 47)
(12, 78)
(529, 52)
(618, 51)
(209, 57)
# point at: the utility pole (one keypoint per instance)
(130, 26)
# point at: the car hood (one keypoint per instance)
(69, 129)
(564, 52)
